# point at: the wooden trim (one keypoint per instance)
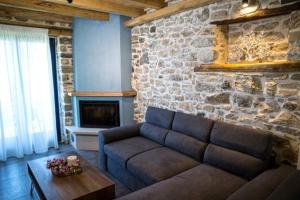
(169, 10)
(24, 15)
(53, 8)
(102, 6)
(260, 14)
(59, 32)
(255, 67)
(155, 4)
(53, 31)
(131, 93)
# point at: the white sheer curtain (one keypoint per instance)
(27, 111)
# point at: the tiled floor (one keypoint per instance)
(15, 182)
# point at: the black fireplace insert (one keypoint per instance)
(99, 114)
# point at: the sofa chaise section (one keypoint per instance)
(202, 182)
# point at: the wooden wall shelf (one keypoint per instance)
(131, 93)
(260, 14)
(255, 67)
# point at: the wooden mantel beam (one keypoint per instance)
(102, 6)
(48, 7)
(169, 10)
(130, 93)
(155, 4)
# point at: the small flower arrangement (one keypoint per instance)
(60, 167)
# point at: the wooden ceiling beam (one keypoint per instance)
(154, 4)
(102, 6)
(48, 7)
(32, 15)
(53, 31)
(169, 10)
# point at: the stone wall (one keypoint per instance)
(65, 80)
(165, 52)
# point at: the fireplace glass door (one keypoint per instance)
(99, 114)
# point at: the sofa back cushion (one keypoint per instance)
(159, 117)
(154, 133)
(239, 150)
(191, 125)
(189, 135)
(187, 145)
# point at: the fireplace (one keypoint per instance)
(99, 114)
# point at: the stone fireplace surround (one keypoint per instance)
(166, 52)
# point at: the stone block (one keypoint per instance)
(295, 20)
(223, 98)
(295, 77)
(65, 40)
(290, 106)
(270, 88)
(286, 119)
(248, 84)
(242, 100)
(203, 42)
(294, 36)
(220, 14)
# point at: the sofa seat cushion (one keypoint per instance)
(159, 164)
(122, 150)
(199, 183)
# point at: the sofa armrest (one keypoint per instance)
(288, 189)
(263, 185)
(113, 135)
(119, 133)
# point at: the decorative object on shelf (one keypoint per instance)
(252, 47)
(249, 7)
(245, 3)
(64, 167)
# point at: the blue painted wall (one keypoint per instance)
(102, 54)
(102, 62)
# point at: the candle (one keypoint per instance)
(72, 160)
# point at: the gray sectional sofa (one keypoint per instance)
(173, 155)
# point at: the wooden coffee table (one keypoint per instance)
(89, 185)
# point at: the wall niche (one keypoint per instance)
(267, 38)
